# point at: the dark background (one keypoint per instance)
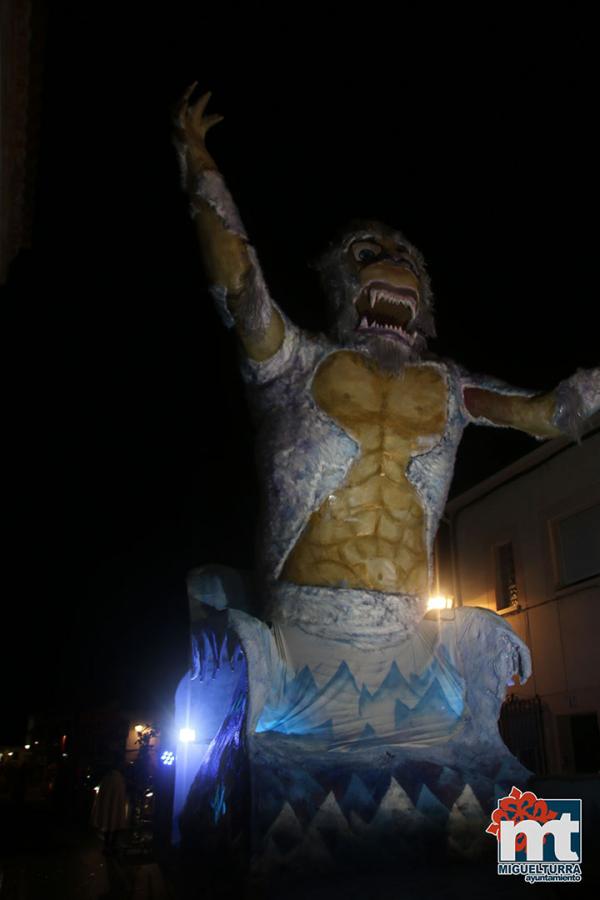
(130, 445)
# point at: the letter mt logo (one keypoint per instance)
(540, 839)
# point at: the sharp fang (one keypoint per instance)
(373, 298)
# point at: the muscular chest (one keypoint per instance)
(369, 533)
(405, 411)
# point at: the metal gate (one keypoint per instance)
(522, 729)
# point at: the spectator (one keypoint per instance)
(109, 814)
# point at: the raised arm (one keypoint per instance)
(561, 411)
(230, 261)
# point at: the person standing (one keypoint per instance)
(109, 813)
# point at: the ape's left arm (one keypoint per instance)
(561, 411)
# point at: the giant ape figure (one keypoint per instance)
(352, 682)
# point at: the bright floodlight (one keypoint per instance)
(439, 603)
(187, 735)
(168, 758)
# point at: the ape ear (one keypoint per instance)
(342, 236)
(325, 258)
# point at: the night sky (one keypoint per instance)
(130, 445)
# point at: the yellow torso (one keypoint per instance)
(371, 532)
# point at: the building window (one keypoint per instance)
(577, 545)
(507, 594)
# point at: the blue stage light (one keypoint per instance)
(168, 758)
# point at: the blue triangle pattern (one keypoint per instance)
(430, 702)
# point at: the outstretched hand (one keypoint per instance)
(192, 126)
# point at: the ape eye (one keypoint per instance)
(365, 251)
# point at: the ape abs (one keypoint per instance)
(370, 533)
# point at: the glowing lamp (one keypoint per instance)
(97, 789)
(167, 758)
(439, 603)
(139, 728)
(28, 746)
(187, 735)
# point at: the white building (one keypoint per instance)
(526, 543)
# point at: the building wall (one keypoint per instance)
(561, 625)
(22, 37)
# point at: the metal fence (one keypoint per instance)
(522, 729)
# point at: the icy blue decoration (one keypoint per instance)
(217, 804)
(370, 806)
(211, 700)
(426, 704)
(366, 744)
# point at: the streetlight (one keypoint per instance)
(440, 602)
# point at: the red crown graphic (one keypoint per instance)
(518, 806)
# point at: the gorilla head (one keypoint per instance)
(379, 293)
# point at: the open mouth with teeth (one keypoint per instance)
(387, 311)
